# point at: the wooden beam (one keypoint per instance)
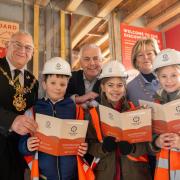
(90, 24)
(42, 2)
(102, 39)
(169, 13)
(170, 25)
(104, 11)
(108, 7)
(78, 23)
(36, 41)
(62, 35)
(141, 10)
(73, 5)
(105, 52)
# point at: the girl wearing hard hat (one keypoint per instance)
(114, 164)
(167, 68)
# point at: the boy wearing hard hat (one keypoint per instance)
(167, 68)
(56, 74)
(117, 160)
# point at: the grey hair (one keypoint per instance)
(22, 33)
(88, 46)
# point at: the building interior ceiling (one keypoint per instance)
(89, 18)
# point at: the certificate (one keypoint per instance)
(60, 137)
(166, 117)
(133, 126)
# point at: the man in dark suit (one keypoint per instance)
(84, 84)
(18, 92)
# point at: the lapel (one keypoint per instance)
(5, 66)
(80, 83)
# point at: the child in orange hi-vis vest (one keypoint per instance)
(56, 73)
(117, 160)
(167, 68)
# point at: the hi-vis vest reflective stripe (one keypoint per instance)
(95, 120)
(32, 162)
(85, 172)
(168, 165)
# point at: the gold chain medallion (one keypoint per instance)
(19, 101)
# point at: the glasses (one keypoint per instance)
(94, 58)
(19, 46)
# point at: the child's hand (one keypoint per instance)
(82, 150)
(163, 141)
(33, 143)
(175, 141)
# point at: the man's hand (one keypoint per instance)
(23, 125)
(87, 97)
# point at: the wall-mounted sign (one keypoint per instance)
(6, 30)
(129, 35)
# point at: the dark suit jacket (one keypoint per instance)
(12, 164)
(76, 84)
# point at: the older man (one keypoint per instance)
(84, 84)
(18, 92)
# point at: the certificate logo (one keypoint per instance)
(136, 121)
(48, 124)
(73, 131)
(178, 109)
(110, 115)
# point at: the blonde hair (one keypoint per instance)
(138, 46)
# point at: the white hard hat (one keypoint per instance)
(57, 65)
(165, 58)
(113, 69)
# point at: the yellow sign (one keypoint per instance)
(6, 31)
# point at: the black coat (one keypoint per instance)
(12, 164)
(76, 84)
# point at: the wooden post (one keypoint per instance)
(36, 41)
(62, 35)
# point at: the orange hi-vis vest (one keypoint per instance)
(96, 124)
(168, 165)
(85, 172)
(32, 162)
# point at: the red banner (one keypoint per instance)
(6, 31)
(129, 35)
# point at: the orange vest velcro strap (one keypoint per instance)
(84, 171)
(96, 123)
(35, 167)
(28, 159)
(143, 158)
(79, 112)
(168, 165)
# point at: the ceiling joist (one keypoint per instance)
(104, 11)
(141, 10)
(102, 39)
(170, 24)
(169, 13)
(42, 2)
(73, 5)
